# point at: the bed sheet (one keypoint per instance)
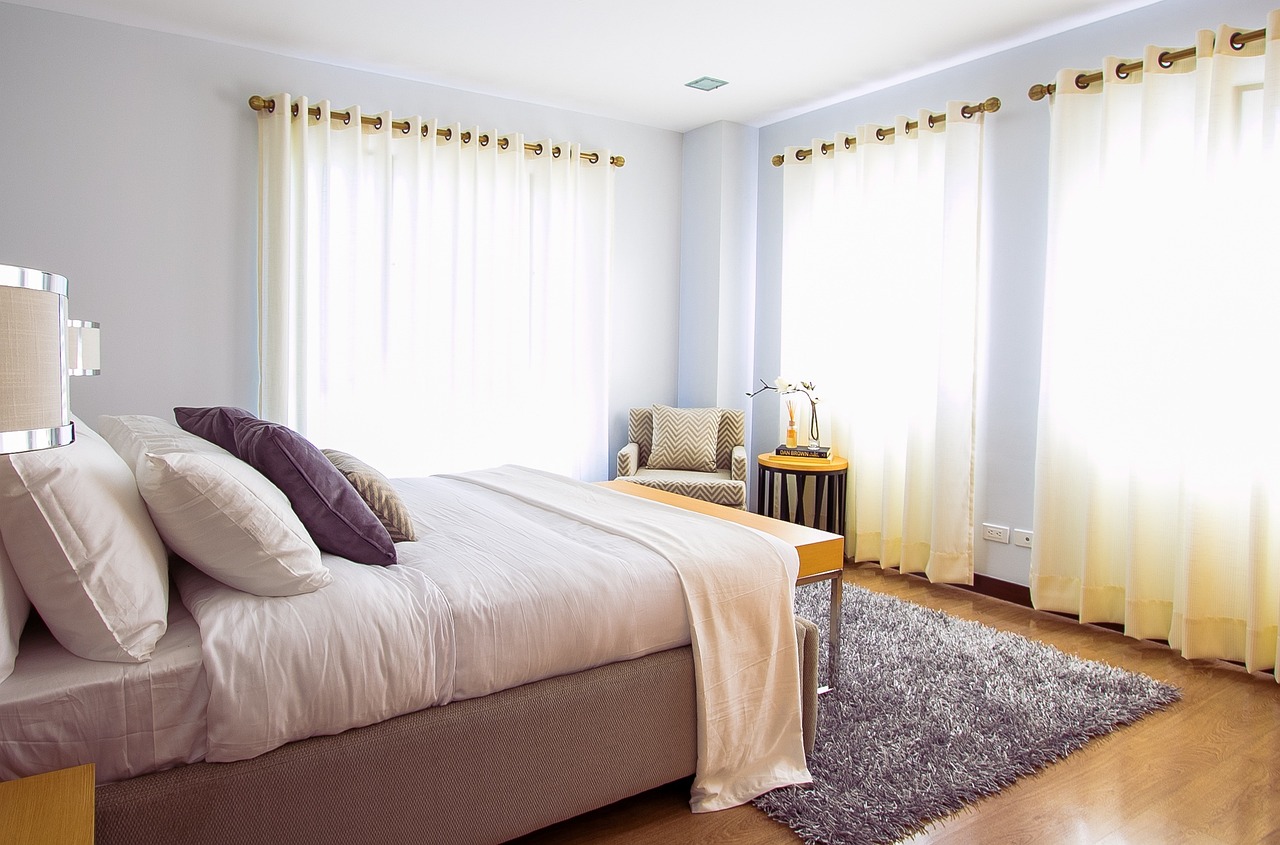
(59, 710)
(493, 593)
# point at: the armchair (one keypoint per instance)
(700, 452)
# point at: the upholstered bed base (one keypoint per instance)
(478, 771)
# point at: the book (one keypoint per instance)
(803, 452)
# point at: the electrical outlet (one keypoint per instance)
(995, 533)
(1022, 537)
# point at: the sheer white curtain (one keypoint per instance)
(433, 305)
(1158, 467)
(879, 290)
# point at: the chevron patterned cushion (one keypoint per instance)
(684, 438)
(717, 487)
(377, 493)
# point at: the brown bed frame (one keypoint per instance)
(483, 770)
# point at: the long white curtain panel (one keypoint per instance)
(1158, 459)
(433, 304)
(879, 310)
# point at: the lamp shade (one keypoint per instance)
(35, 406)
(84, 352)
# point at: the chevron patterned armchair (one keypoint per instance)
(697, 452)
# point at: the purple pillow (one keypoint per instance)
(330, 508)
(217, 425)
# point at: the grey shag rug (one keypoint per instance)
(934, 712)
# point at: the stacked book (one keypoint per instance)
(816, 454)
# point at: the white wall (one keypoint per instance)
(128, 163)
(717, 265)
(1017, 144)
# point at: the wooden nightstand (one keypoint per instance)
(829, 478)
(55, 808)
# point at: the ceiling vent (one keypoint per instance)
(706, 83)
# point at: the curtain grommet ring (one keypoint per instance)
(1237, 43)
(406, 129)
(448, 133)
(426, 130)
(1080, 81)
(484, 140)
(1121, 73)
(1164, 61)
(294, 110)
(555, 152)
(503, 143)
(537, 149)
(346, 119)
(377, 122)
(930, 122)
(880, 136)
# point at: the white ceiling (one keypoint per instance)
(626, 60)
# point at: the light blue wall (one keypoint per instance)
(128, 163)
(1017, 144)
(717, 265)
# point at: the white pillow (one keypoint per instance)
(133, 435)
(216, 511)
(14, 609)
(84, 548)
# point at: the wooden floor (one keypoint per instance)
(1207, 770)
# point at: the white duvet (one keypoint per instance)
(516, 576)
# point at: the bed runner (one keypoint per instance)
(738, 587)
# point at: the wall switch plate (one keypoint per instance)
(1022, 537)
(995, 533)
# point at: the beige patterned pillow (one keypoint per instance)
(377, 493)
(684, 438)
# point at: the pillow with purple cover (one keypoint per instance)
(334, 514)
(217, 424)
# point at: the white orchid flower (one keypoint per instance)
(783, 385)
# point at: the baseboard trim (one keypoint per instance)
(1017, 594)
(984, 585)
(998, 589)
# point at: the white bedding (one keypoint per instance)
(519, 575)
(59, 710)
(516, 576)
(495, 593)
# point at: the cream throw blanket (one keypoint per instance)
(738, 585)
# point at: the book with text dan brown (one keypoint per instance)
(803, 451)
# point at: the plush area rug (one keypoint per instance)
(935, 712)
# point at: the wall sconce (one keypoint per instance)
(39, 349)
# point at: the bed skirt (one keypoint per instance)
(483, 770)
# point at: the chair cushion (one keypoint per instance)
(684, 438)
(716, 487)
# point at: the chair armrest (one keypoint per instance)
(738, 464)
(628, 459)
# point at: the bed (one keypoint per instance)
(529, 657)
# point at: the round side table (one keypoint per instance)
(830, 478)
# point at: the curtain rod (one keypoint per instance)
(258, 103)
(990, 105)
(1166, 59)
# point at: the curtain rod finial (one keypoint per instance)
(991, 105)
(1039, 92)
(257, 103)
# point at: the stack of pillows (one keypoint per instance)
(84, 528)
